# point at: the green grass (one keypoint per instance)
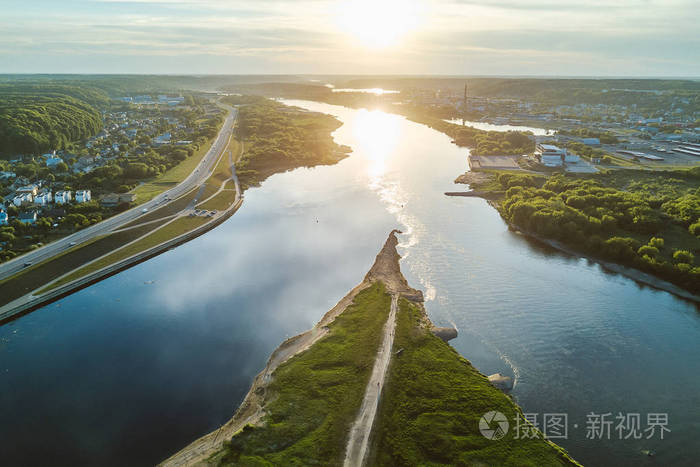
(223, 200)
(174, 229)
(314, 397)
(432, 404)
(149, 190)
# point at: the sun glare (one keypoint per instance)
(378, 24)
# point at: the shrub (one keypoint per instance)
(656, 242)
(694, 229)
(683, 256)
(650, 251)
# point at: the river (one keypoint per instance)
(131, 369)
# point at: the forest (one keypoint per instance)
(278, 138)
(35, 118)
(650, 221)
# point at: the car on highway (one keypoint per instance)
(144, 210)
(27, 264)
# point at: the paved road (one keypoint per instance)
(362, 427)
(198, 176)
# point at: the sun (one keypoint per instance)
(378, 24)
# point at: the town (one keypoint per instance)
(49, 196)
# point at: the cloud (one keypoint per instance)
(273, 36)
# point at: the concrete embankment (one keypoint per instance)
(29, 303)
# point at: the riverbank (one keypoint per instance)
(487, 187)
(632, 273)
(322, 374)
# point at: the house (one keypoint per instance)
(550, 155)
(114, 199)
(22, 199)
(53, 160)
(83, 196)
(6, 175)
(31, 189)
(28, 217)
(63, 197)
(162, 139)
(43, 198)
(3, 217)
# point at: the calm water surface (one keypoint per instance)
(133, 368)
(495, 127)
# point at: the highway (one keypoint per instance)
(197, 177)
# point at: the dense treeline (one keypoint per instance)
(38, 118)
(279, 138)
(648, 221)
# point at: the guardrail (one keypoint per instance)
(13, 312)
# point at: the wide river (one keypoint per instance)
(133, 368)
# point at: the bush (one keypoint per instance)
(649, 251)
(656, 242)
(683, 256)
(694, 229)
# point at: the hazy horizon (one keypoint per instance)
(508, 38)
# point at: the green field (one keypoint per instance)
(314, 397)
(432, 403)
(149, 190)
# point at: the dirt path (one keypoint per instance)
(359, 434)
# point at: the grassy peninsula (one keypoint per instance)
(279, 138)
(303, 405)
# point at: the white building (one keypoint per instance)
(83, 196)
(43, 198)
(550, 155)
(22, 198)
(63, 197)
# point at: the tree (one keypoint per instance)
(646, 250)
(683, 256)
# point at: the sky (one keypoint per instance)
(438, 37)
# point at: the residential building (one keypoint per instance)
(3, 217)
(83, 196)
(63, 197)
(28, 217)
(6, 175)
(53, 160)
(162, 139)
(550, 155)
(43, 198)
(22, 199)
(31, 189)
